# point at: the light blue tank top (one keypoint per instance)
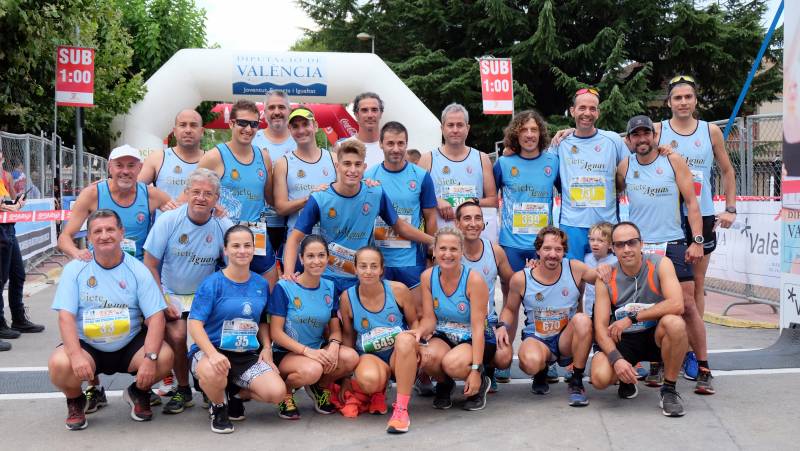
(527, 189)
(173, 173)
(587, 167)
(654, 200)
(486, 266)
(699, 154)
(276, 151)
(376, 331)
(457, 181)
(303, 176)
(308, 311)
(548, 308)
(452, 311)
(242, 190)
(135, 218)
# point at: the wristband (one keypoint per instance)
(333, 340)
(613, 356)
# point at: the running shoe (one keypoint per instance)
(690, 366)
(423, 385)
(627, 391)
(322, 399)
(641, 373)
(179, 401)
(493, 385)
(503, 376)
(76, 418)
(377, 403)
(670, 402)
(167, 386)
(703, 386)
(236, 409)
(577, 394)
(220, 421)
(95, 398)
(567, 373)
(139, 402)
(655, 378)
(478, 400)
(155, 400)
(539, 385)
(552, 374)
(399, 422)
(443, 392)
(287, 409)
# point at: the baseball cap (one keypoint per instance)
(640, 121)
(301, 112)
(125, 150)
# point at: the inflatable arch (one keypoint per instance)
(195, 75)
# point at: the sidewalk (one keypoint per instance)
(752, 315)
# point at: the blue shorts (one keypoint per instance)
(552, 346)
(577, 241)
(407, 275)
(340, 284)
(262, 264)
(676, 252)
(517, 257)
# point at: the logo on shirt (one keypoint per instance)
(565, 292)
(92, 282)
(539, 297)
(514, 171)
(235, 174)
(331, 212)
(673, 144)
(209, 238)
(597, 148)
(328, 299)
(436, 303)
(659, 171)
(636, 174)
(697, 143)
(364, 323)
(260, 173)
(574, 149)
(412, 185)
(177, 169)
(298, 304)
(462, 307)
(122, 284)
(365, 208)
(139, 217)
(247, 309)
(301, 173)
(548, 170)
(446, 170)
(184, 238)
(325, 172)
(486, 270)
(391, 318)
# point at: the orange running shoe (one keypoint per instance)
(399, 422)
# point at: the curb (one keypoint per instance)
(728, 321)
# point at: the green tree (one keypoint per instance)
(629, 49)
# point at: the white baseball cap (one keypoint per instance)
(125, 150)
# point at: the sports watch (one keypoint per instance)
(633, 317)
(699, 239)
(151, 356)
(730, 210)
(476, 367)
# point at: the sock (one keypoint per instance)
(402, 401)
(669, 384)
(703, 364)
(577, 375)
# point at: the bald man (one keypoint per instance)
(168, 169)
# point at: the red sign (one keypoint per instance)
(75, 76)
(496, 85)
(35, 216)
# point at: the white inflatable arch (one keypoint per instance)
(195, 75)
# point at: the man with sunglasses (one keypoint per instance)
(701, 144)
(637, 317)
(245, 173)
(588, 160)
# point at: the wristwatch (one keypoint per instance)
(151, 356)
(699, 239)
(731, 209)
(476, 367)
(633, 317)
(499, 325)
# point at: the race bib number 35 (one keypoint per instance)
(106, 325)
(239, 335)
(588, 191)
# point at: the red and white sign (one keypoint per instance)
(74, 76)
(496, 85)
(34, 216)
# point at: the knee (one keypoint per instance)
(531, 362)
(309, 373)
(176, 336)
(210, 378)
(582, 324)
(272, 392)
(503, 358)
(370, 380)
(58, 365)
(348, 358)
(405, 344)
(674, 325)
(165, 358)
(601, 372)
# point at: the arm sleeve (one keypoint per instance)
(428, 198)
(203, 299)
(387, 211)
(151, 301)
(156, 242)
(67, 293)
(498, 174)
(622, 149)
(309, 216)
(335, 305)
(278, 302)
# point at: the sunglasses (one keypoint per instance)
(244, 123)
(588, 90)
(633, 242)
(682, 79)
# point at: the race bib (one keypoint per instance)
(588, 191)
(259, 230)
(456, 195)
(379, 339)
(181, 301)
(655, 248)
(549, 323)
(341, 258)
(697, 178)
(239, 335)
(455, 332)
(128, 246)
(529, 217)
(106, 325)
(386, 237)
(630, 308)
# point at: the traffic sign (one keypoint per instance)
(75, 76)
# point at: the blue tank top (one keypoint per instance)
(548, 308)
(135, 218)
(654, 199)
(307, 311)
(242, 185)
(527, 188)
(376, 331)
(452, 311)
(486, 266)
(276, 151)
(173, 173)
(303, 176)
(699, 154)
(457, 181)
(587, 167)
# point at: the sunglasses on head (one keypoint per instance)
(682, 79)
(244, 123)
(589, 90)
(629, 243)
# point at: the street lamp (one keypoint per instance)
(364, 36)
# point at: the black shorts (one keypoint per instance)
(709, 235)
(245, 366)
(277, 236)
(489, 347)
(676, 252)
(640, 347)
(118, 361)
(278, 356)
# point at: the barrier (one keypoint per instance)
(39, 236)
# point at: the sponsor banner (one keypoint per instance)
(497, 87)
(35, 237)
(296, 73)
(74, 76)
(34, 216)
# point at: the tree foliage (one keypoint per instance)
(629, 49)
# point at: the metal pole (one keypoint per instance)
(41, 169)
(742, 155)
(373, 44)
(748, 123)
(78, 136)
(26, 158)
